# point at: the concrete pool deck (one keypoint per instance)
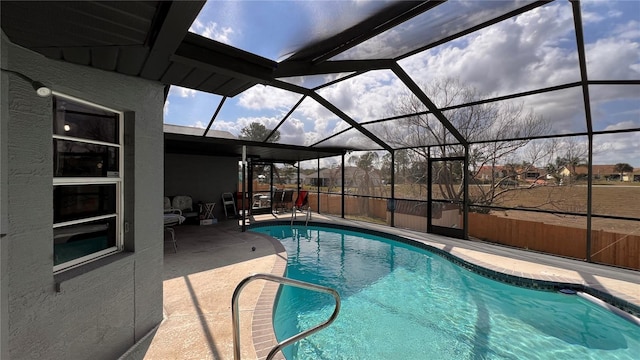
(200, 278)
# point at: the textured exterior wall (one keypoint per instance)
(4, 299)
(99, 310)
(204, 178)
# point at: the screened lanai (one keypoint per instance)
(509, 121)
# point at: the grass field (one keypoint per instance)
(616, 200)
(613, 199)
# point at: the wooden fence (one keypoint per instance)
(353, 206)
(606, 247)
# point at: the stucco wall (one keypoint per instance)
(96, 311)
(204, 178)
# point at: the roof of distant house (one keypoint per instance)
(600, 169)
(187, 130)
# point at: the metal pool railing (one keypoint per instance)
(235, 314)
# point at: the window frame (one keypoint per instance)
(109, 180)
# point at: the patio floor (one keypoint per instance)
(200, 278)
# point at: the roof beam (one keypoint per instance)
(476, 28)
(203, 53)
(322, 101)
(215, 114)
(386, 18)
(582, 60)
(285, 117)
(301, 68)
(408, 82)
(172, 30)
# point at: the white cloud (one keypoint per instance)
(165, 108)
(212, 31)
(366, 97)
(531, 51)
(617, 148)
(292, 132)
(624, 125)
(198, 124)
(235, 127)
(629, 30)
(262, 97)
(182, 91)
(623, 66)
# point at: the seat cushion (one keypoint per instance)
(182, 202)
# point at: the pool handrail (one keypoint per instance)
(235, 314)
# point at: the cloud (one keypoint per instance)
(198, 124)
(262, 97)
(629, 30)
(617, 148)
(533, 50)
(212, 31)
(377, 91)
(623, 66)
(165, 108)
(235, 127)
(182, 91)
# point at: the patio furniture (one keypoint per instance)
(276, 199)
(207, 210)
(228, 204)
(260, 201)
(184, 203)
(171, 219)
(301, 202)
(287, 199)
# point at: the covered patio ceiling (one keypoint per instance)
(157, 40)
(255, 151)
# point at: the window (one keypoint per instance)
(87, 181)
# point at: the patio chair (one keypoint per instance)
(185, 204)
(301, 202)
(172, 219)
(287, 199)
(276, 199)
(229, 203)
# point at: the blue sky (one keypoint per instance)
(534, 50)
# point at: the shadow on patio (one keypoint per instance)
(199, 281)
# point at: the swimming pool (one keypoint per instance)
(403, 302)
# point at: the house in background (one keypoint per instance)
(530, 174)
(488, 173)
(601, 172)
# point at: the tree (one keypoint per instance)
(622, 168)
(367, 163)
(489, 125)
(402, 166)
(573, 153)
(258, 132)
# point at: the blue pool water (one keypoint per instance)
(402, 302)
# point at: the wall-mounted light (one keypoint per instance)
(40, 88)
(67, 127)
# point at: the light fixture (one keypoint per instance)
(41, 89)
(67, 127)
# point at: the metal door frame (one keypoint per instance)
(460, 233)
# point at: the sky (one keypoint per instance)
(534, 50)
